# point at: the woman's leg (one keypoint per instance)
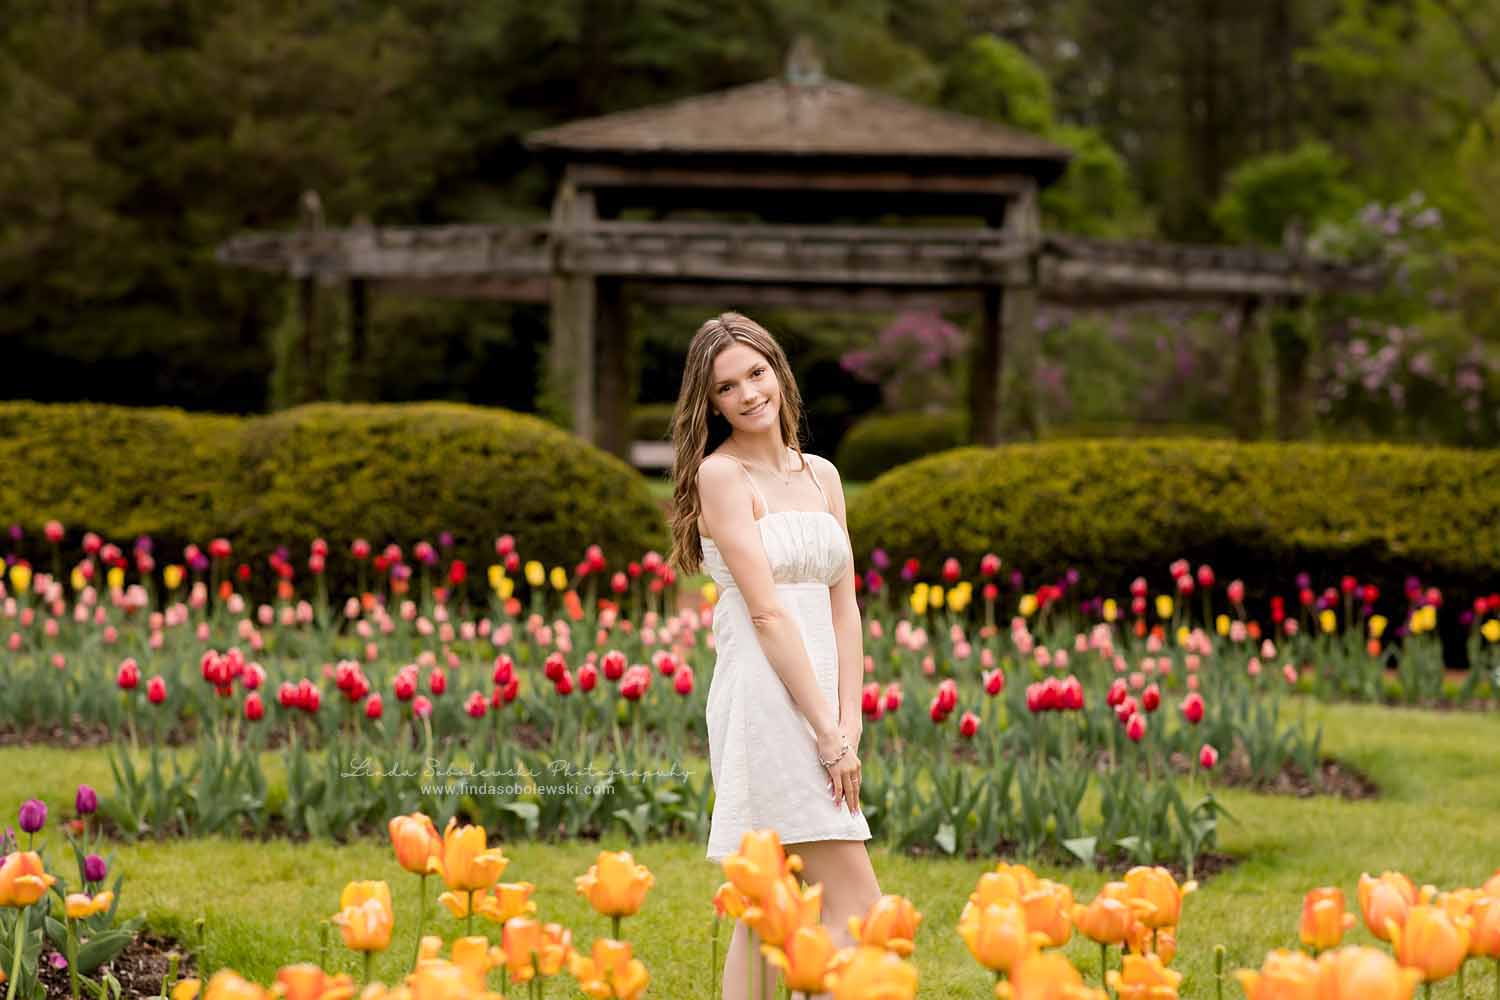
(849, 886)
(735, 985)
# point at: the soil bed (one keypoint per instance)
(139, 968)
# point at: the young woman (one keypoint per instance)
(766, 521)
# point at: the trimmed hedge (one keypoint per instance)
(882, 441)
(383, 472)
(1262, 512)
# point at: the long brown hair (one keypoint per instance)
(694, 434)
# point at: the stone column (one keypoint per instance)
(986, 365)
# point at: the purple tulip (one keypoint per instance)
(33, 815)
(57, 960)
(1303, 581)
(880, 559)
(446, 539)
(94, 868)
(1016, 579)
(1466, 619)
(1072, 576)
(143, 544)
(86, 802)
(15, 532)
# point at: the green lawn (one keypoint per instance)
(1438, 819)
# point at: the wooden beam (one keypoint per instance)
(986, 367)
(815, 297)
(571, 358)
(598, 175)
(616, 387)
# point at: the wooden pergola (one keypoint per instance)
(861, 201)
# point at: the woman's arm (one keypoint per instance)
(847, 627)
(730, 517)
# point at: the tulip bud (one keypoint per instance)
(86, 801)
(1208, 757)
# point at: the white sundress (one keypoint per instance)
(763, 755)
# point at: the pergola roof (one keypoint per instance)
(824, 119)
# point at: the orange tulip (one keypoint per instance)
(1155, 895)
(783, 909)
(610, 972)
(1385, 899)
(1144, 977)
(227, 984)
(729, 902)
(1285, 975)
(1161, 942)
(23, 879)
(365, 916)
(872, 973)
(891, 923)
(1048, 910)
(1105, 920)
(419, 849)
(469, 864)
(306, 981)
(615, 885)
(1492, 887)
(1046, 976)
(1023, 878)
(805, 958)
(1355, 973)
(520, 938)
(761, 861)
(1457, 903)
(1323, 918)
(1484, 936)
(81, 906)
(998, 888)
(1432, 942)
(434, 979)
(997, 935)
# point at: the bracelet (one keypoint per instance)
(842, 754)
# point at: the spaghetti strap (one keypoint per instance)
(826, 506)
(765, 507)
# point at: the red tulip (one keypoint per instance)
(892, 696)
(588, 677)
(1192, 708)
(1205, 576)
(564, 683)
(683, 682)
(989, 565)
(286, 695)
(505, 668)
(1117, 693)
(219, 548)
(614, 665)
(951, 570)
(54, 531)
(1138, 587)
(1071, 694)
(633, 685)
(129, 675)
(475, 705)
(1136, 728)
(1208, 757)
(156, 690)
(935, 712)
(1237, 591)
(437, 681)
(255, 710)
(405, 684)
(994, 682)
(1151, 698)
(869, 699)
(968, 725)
(360, 549)
(374, 707)
(947, 694)
(553, 666)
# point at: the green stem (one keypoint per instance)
(614, 923)
(369, 961)
(73, 956)
(15, 967)
(421, 922)
(713, 965)
(749, 963)
(469, 929)
(1103, 965)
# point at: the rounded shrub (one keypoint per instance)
(883, 441)
(1261, 512)
(387, 473)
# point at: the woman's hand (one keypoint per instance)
(844, 774)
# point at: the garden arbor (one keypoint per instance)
(800, 191)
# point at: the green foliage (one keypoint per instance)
(991, 78)
(1260, 512)
(1096, 196)
(883, 441)
(384, 473)
(1265, 195)
(652, 421)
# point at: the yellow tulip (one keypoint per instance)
(476, 956)
(1105, 920)
(23, 880)
(1046, 976)
(172, 576)
(20, 577)
(1285, 975)
(1111, 609)
(710, 592)
(559, 578)
(506, 589)
(76, 578)
(1155, 896)
(186, 989)
(891, 923)
(433, 979)
(996, 934)
(1431, 941)
(804, 958)
(870, 973)
(536, 575)
(1028, 605)
(419, 849)
(80, 906)
(1048, 910)
(759, 863)
(468, 863)
(365, 916)
(1377, 626)
(777, 915)
(1385, 899)
(505, 900)
(1324, 920)
(227, 984)
(1144, 977)
(115, 579)
(1163, 606)
(1491, 630)
(495, 574)
(918, 601)
(935, 596)
(615, 885)
(1327, 620)
(1355, 973)
(610, 971)
(1221, 624)
(306, 981)
(1183, 635)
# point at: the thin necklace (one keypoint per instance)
(786, 480)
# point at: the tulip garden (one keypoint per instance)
(1048, 776)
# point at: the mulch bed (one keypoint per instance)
(1207, 865)
(1338, 778)
(139, 968)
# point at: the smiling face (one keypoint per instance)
(745, 389)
